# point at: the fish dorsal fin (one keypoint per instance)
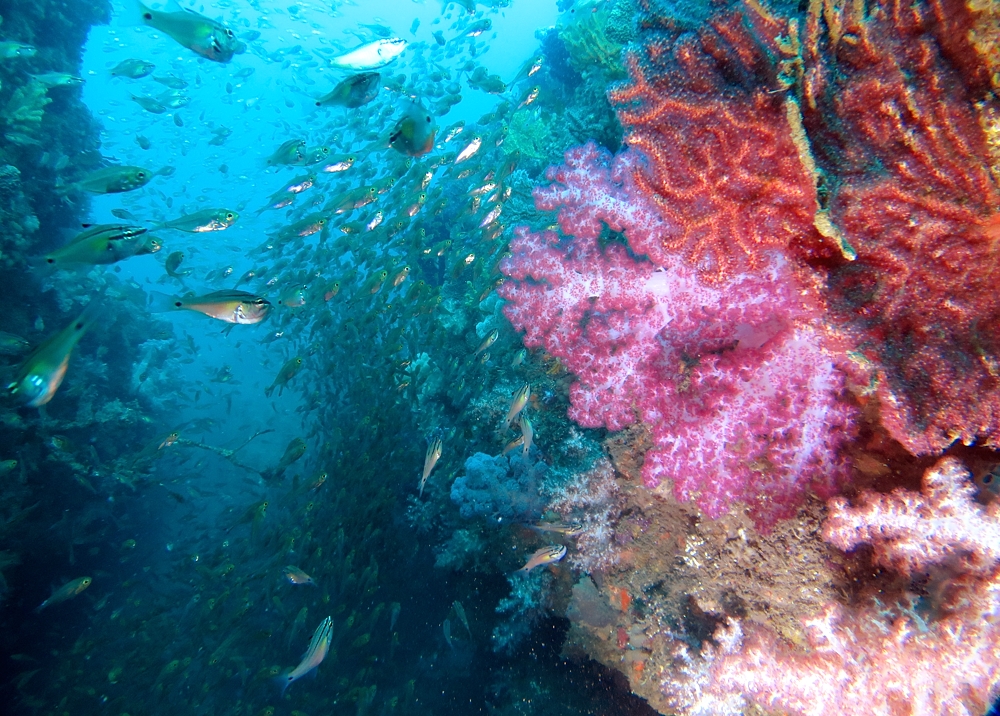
(174, 6)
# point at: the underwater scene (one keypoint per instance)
(503, 357)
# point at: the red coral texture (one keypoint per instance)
(877, 661)
(734, 379)
(889, 102)
(722, 168)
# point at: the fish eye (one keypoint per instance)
(229, 33)
(140, 175)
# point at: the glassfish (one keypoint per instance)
(115, 180)
(42, 372)
(318, 648)
(287, 372)
(67, 591)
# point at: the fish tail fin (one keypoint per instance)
(162, 302)
(135, 12)
(282, 680)
(88, 317)
(43, 265)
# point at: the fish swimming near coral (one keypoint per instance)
(430, 460)
(208, 38)
(67, 591)
(104, 244)
(319, 645)
(115, 180)
(545, 555)
(43, 371)
(517, 404)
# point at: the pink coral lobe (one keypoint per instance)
(734, 378)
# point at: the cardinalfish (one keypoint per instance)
(430, 460)
(296, 576)
(545, 555)
(67, 591)
(517, 404)
(317, 651)
(229, 305)
(487, 342)
(203, 36)
(527, 432)
(569, 529)
(104, 244)
(43, 371)
(203, 221)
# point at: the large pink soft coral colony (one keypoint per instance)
(732, 377)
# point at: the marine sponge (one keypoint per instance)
(22, 115)
(499, 487)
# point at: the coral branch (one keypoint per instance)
(873, 661)
(723, 168)
(910, 532)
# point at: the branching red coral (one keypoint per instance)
(722, 166)
(890, 106)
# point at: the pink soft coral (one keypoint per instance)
(734, 379)
(874, 661)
